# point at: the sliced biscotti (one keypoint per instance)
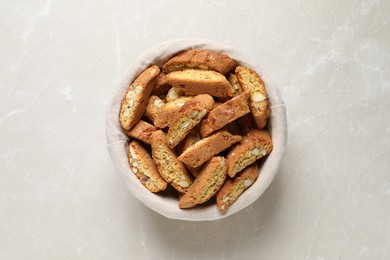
(134, 102)
(188, 117)
(162, 86)
(169, 110)
(142, 131)
(205, 149)
(250, 81)
(253, 146)
(200, 59)
(224, 114)
(143, 166)
(194, 82)
(233, 188)
(153, 108)
(208, 182)
(234, 82)
(169, 167)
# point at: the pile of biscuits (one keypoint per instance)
(198, 124)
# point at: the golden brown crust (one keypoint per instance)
(153, 108)
(188, 117)
(206, 148)
(170, 169)
(162, 86)
(144, 168)
(169, 110)
(194, 82)
(134, 102)
(233, 188)
(253, 146)
(142, 131)
(224, 114)
(208, 182)
(200, 59)
(250, 81)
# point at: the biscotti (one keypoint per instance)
(153, 108)
(144, 168)
(134, 102)
(250, 81)
(142, 131)
(206, 148)
(188, 117)
(233, 188)
(253, 146)
(169, 110)
(200, 59)
(234, 82)
(169, 167)
(224, 114)
(208, 182)
(194, 82)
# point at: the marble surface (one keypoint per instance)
(60, 197)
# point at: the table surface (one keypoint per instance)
(61, 198)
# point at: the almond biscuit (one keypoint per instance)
(200, 59)
(142, 131)
(169, 110)
(194, 82)
(144, 168)
(250, 81)
(134, 102)
(188, 117)
(233, 188)
(253, 146)
(170, 169)
(209, 181)
(224, 114)
(153, 108)
(206, 148)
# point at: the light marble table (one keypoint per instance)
(60, 197)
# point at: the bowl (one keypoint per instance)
(117, 140)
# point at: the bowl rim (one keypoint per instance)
(117, 140)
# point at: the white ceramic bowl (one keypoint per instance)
(117, 140)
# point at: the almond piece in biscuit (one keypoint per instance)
(233, 188)
(142, 131)
(188, 117)
(173, 94)
(253, 146)
(224, 114)
(250, 81)
(200, 59)
(234, 82)
(209, 181)
(170, 169)
(162, 86)
(206, 148)
(194, 82)
(169, 110)
(144, 168)
(153, 108)
(135, 99)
